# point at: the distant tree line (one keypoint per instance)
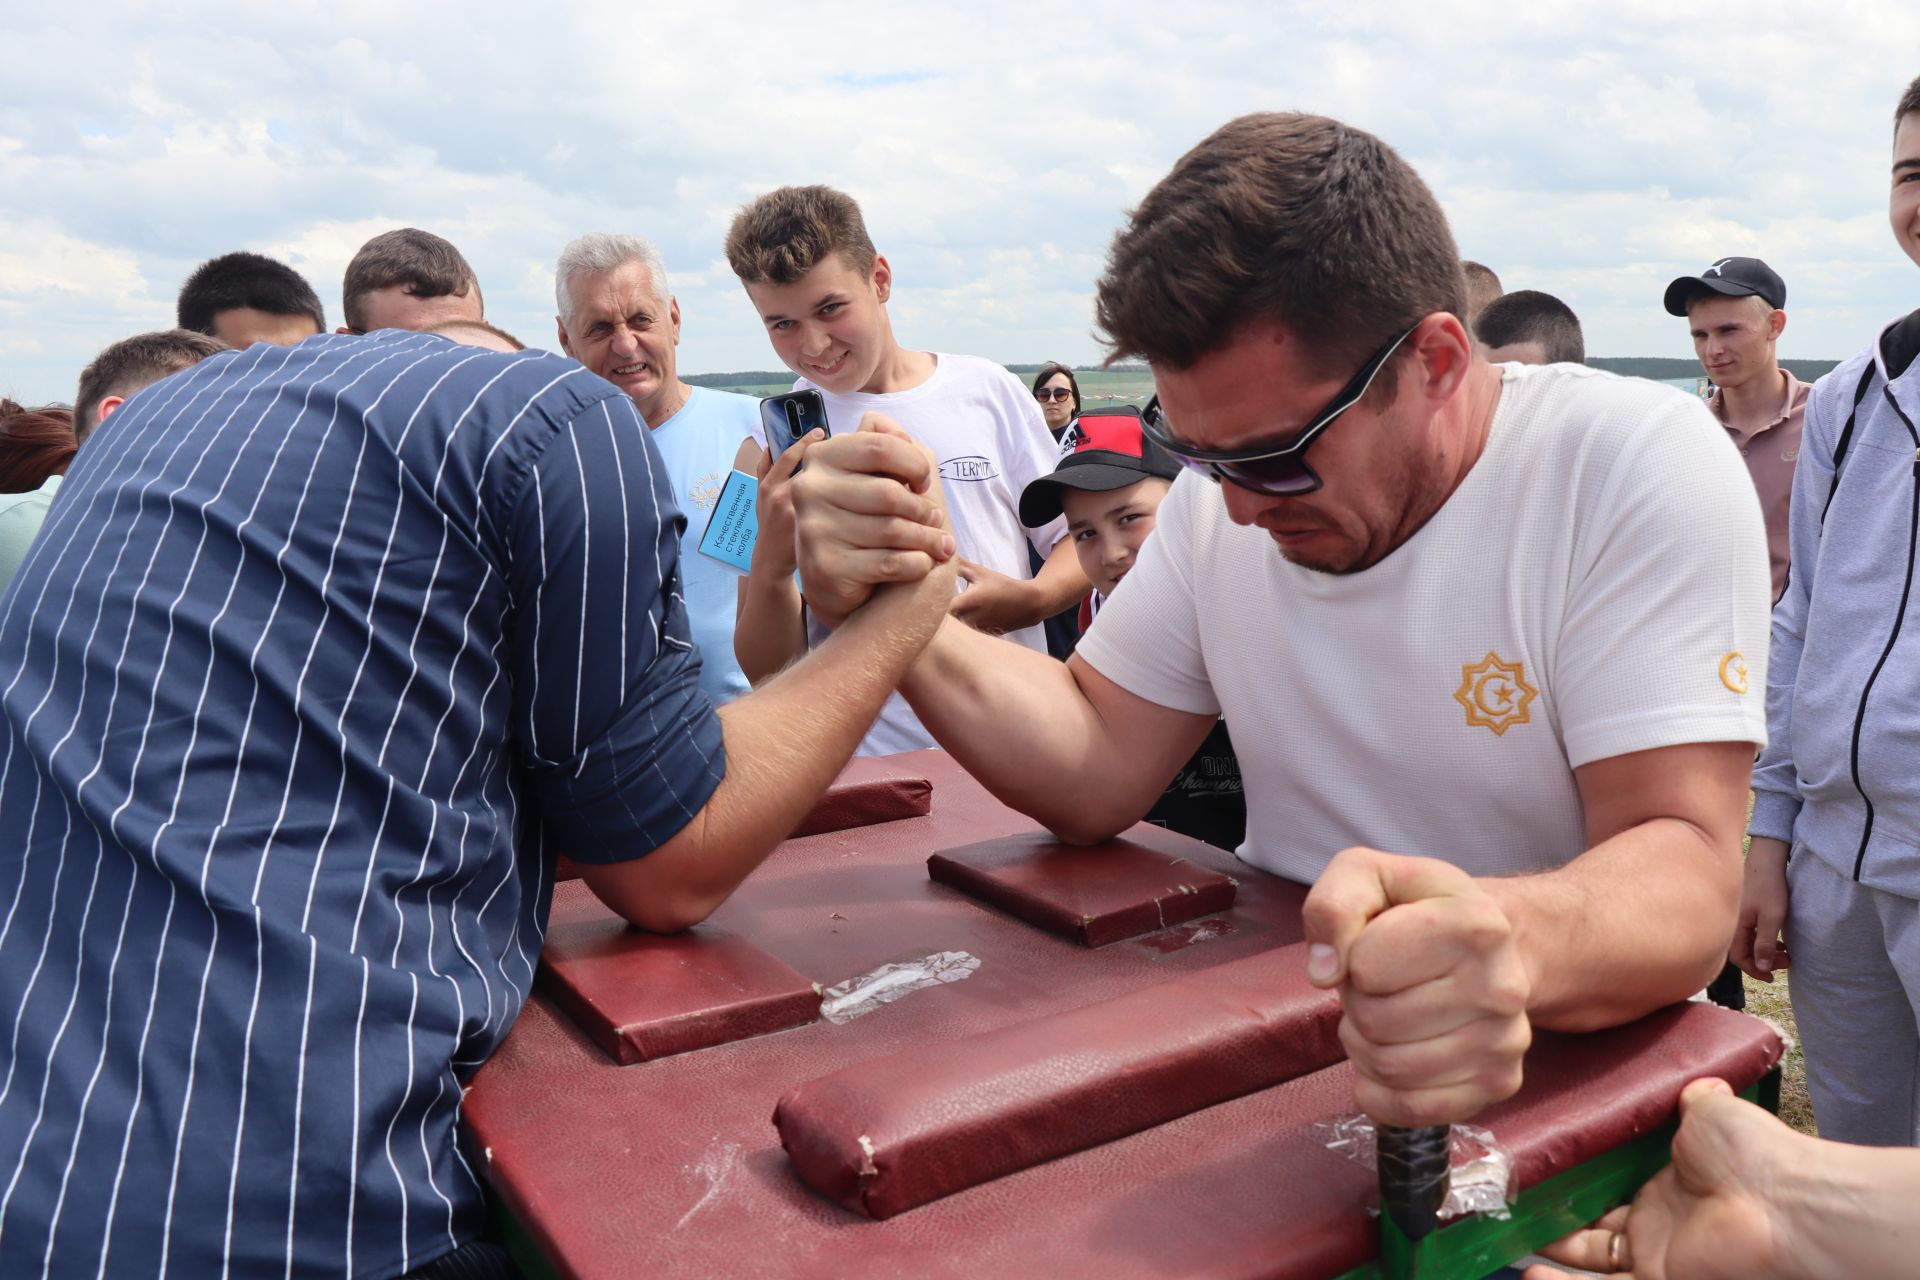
(1665, 367)
(1658, 367)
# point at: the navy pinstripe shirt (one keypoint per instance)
(316, 646)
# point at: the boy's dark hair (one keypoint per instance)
(427, 265)
(34, 444)
(784, 234)
(133, 363)
(1051, 368)
(1528, 315)
(237, 280)
(1290, 218)
(1909, 103)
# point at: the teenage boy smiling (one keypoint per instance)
(808, 265)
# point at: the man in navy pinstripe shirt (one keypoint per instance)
(323, 652)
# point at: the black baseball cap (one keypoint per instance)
(1107, 451)
(1733, 277)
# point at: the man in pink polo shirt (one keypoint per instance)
(1734, 311)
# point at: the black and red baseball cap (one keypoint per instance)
(1107, 450)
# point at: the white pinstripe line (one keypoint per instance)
(406, 1241)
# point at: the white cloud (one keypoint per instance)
(1592, 151)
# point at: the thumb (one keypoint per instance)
(969, 570)
(1358, 885)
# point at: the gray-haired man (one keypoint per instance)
(618, 318)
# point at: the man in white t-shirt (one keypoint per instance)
(618, 318)
(1491, 642)
(807, 263)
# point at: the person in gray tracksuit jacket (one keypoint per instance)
(1839, 782)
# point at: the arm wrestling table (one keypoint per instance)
(671, 1166)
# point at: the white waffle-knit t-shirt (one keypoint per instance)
(1597, 585)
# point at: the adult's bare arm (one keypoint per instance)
(1060, 742)
(1443, 975)
(785, 742)
(1642, 918)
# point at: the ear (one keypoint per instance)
(565, 346)
(1776, 324)
(673, 318)
(1442, 352)
(107, 405)
(882, 278)
(344, 329)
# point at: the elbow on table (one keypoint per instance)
(656, 908)
(1088, 828)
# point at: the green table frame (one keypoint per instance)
(1476, 1247)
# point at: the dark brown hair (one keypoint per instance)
(1290, 218)
(784, 234)
(1909, 103)
(1051, 368)
(34, 444)
(1528, 315)
(427, 265)
(235, 280)
(133, 363)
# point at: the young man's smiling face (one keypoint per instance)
(1903, 205)
(1108, 527)
(829, 326)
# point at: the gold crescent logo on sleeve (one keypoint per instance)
(1733, 672)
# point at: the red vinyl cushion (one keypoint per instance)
(640, 995)
(1094, 894)
(890, 1135)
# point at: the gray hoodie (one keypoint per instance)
(1840, 777)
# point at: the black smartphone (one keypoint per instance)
(787, 418)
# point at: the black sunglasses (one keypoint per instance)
(1282, 472)
(1054, 393)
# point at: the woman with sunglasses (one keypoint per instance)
(1059, 395)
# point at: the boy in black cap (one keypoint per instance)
(1109, 485)
(1734, 310)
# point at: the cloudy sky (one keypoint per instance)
(1594, 151)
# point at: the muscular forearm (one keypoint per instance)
(1637, 922)
(769, 629)
(969, 689)
(785, 742)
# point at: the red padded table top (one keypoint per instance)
(672, 1167)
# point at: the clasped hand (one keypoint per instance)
(867, 511)
(1433, 988)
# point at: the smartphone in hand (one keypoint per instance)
(787, 418)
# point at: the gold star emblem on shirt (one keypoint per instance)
(1495, 693)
